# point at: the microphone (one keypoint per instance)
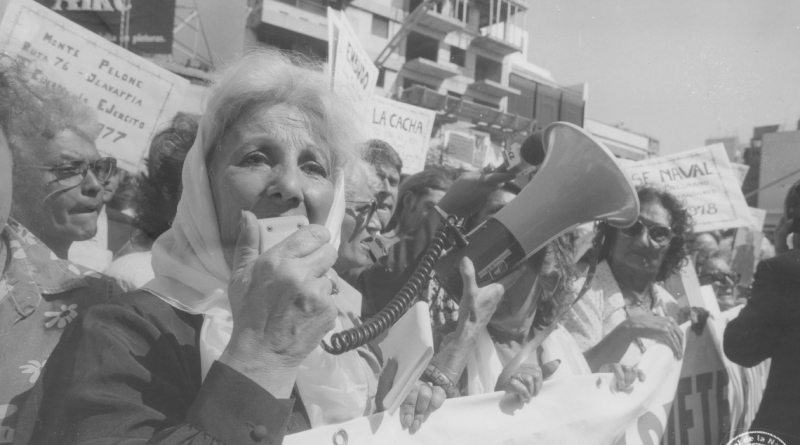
(528, 156)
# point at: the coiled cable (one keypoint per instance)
(358, 336)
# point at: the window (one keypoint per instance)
(420, 46)
(381, 77)
(380, 26)
(485, 103)
(523, 103)
(488, 69)
(458, 56)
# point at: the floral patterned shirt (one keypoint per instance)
(40, 295)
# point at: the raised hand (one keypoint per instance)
(280, 302)
(477, 304)
(470, 191)
(663, 329)
(624, 375)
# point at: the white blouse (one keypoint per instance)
(603, 308)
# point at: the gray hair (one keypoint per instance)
(271, 77)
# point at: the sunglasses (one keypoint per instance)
(720, 279)
(658, 234)
(72, 174)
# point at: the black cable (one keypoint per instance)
(5, 239)
(358, 336)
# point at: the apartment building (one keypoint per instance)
(464, 59)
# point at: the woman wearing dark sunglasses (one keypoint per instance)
(626, 311)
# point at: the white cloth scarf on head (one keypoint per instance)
(192, 275)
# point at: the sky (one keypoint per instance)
(680, 71)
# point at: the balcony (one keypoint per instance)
(501, 26)
(492, 88)
(446, 17)
(451, 108)
(430, 68)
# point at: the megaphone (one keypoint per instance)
(578, 182)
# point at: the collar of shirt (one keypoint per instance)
(35, 270)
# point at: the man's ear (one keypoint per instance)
(408, 200)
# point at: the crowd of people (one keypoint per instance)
(142, 307)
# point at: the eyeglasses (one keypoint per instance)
(723, 279)
(363, 208)
(658, 234)
(71, 174)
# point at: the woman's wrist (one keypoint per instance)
(269, 371)
(468, 330)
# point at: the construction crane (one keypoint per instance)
(404, 30)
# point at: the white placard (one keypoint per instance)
(740, 170)
(759, 217)
(406, 128)
(130, 96)
(351, 69)
(704, 180)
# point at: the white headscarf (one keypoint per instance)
(192, 275)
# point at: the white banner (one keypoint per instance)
(704, 180)
(406, 128)
(351, 68)
(130, 96)
(575, 410)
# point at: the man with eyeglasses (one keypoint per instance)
(713, 270)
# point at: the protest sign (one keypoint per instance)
(406, 128)
(746, 253)
(351, 69)
(740, 171)
(130, 96)
(569, 410)
(704, 180)
(759, 217)
(149, 23)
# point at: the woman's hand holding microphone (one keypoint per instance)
(281, 304)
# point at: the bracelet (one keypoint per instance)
(435, 377)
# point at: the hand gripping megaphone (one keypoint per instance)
(578, 182)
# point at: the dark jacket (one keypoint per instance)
(129, 372)
(769, 327)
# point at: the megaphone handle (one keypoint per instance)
(537, 340)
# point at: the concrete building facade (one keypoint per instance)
(464, 59)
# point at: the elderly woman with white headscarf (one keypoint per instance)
(223, 345)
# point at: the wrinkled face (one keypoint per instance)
(386, 194)
(717, 273)
(270, 164)
(359, 227)
(69, 212)
(5, 180)
(416, 207)
(640, 252)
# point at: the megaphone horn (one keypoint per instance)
(579, 182)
